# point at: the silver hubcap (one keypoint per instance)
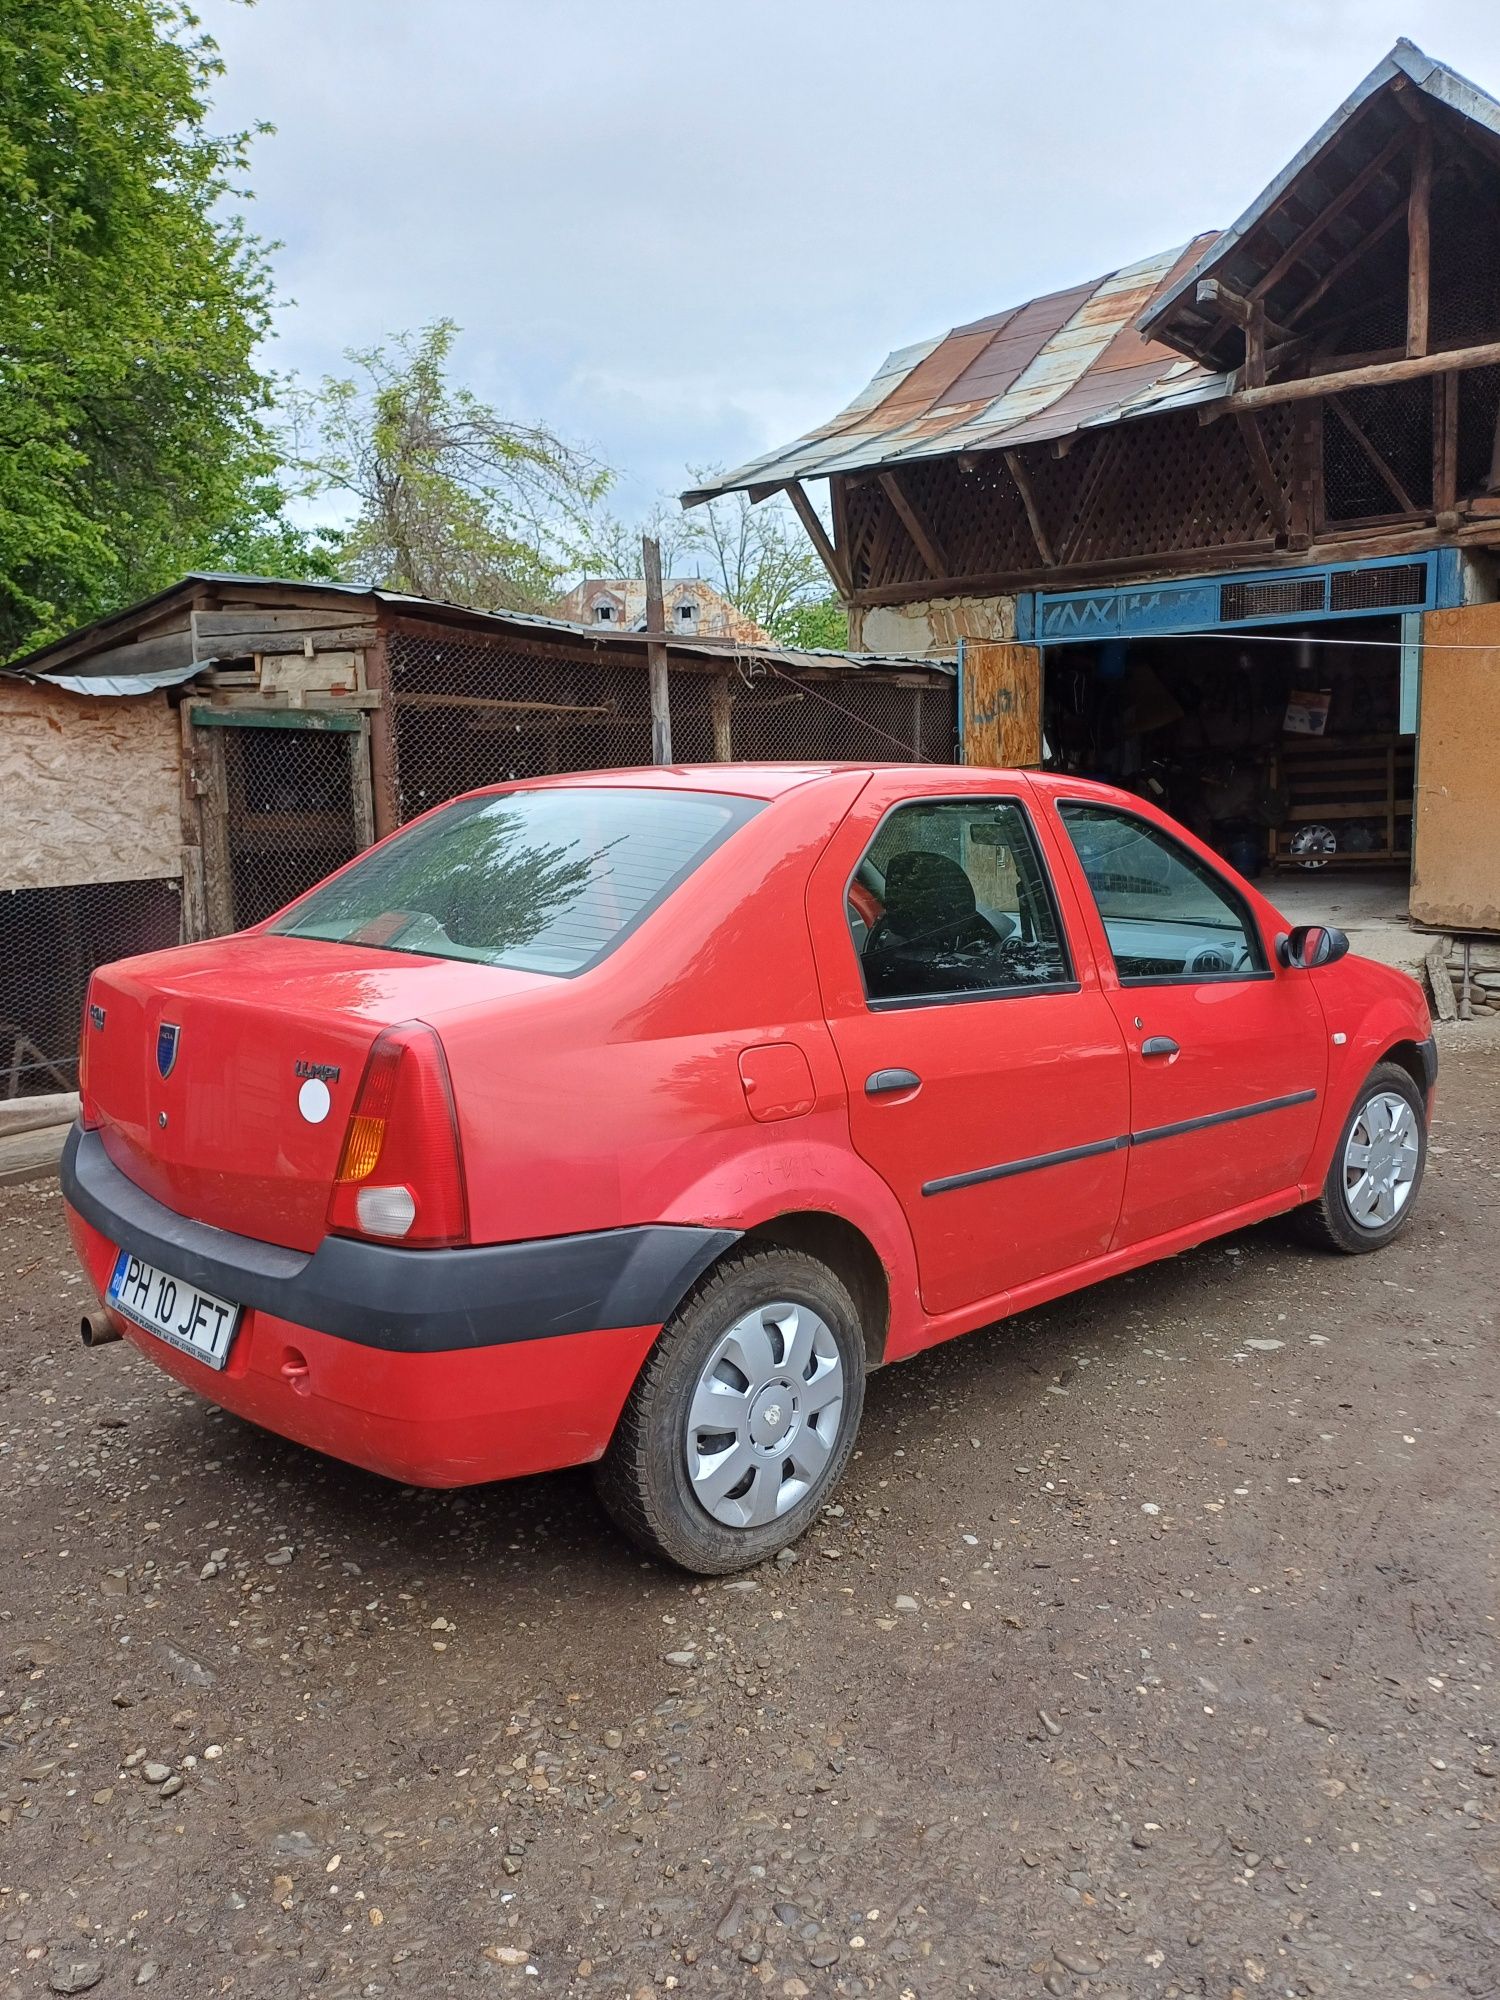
(765, 1415)
(1380, 1160)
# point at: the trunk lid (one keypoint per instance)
(238, 1118)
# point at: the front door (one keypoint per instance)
(1228, 1051)
(985, 1069)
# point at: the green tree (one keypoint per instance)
(815, 622)
(759, 557)
(132, 296)
(451, 499)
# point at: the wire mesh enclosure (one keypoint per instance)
(467, 710)
(290, 818)
(50, 942)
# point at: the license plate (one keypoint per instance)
(173, 1310)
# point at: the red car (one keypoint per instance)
(634, 1116)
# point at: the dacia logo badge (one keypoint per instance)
(322, 1072)
(168, 1035)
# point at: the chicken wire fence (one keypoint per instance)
(289, 813)
(50, 942)
(470, 711)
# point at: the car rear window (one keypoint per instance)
(544, 881)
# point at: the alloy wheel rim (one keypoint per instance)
(764, 1416)
(1381, 1156)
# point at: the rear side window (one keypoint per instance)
(545, 881)
(951, 902)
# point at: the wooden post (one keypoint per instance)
(382, 750)
(361, 787)
(1419, 243)
(1444, 443)
(194, 912)
(656, 654)
(720, 703)
(218, 880)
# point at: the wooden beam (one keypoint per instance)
(656, 654)
(1392, 484)
(417, 699)
(1265, 473)
(143, 656)
(1016, 467)
(1419, 244)
(923, 540)
(1351, 256)
(817, 534)
(1078, 519)
(1304, 388)
(1297, 249)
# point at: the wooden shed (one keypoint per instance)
(187, 766)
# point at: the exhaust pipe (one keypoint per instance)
(95, 1329)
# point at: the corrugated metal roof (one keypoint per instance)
(1042, 370)
(107, 631)
(119, 685)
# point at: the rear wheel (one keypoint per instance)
(743, 1418)
(1377, 1167)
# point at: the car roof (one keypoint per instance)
(757, 781)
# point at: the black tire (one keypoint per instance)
(1328, 1223)
(643, 1478)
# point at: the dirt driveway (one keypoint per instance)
(1150, 1651)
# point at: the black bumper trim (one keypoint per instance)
(405, 1301)
(1427, 1053)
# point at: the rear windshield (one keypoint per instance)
(544, 881)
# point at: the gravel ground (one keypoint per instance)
(1148, 1652)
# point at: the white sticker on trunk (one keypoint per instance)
(313, 1100)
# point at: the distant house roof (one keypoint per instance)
(1134, 342)
(712, 614)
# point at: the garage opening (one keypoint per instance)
(1289, 749)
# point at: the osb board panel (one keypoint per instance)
(1002, 698)
(89, 787)
(1455, 882)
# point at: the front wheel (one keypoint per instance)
(1377, 1167)
(743, 1418)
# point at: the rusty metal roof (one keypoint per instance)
(1088, 356)
(1039, 371)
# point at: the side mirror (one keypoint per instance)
(1311, 944)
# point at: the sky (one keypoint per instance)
(683, 234)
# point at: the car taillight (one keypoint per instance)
(88, 1115)
(400, 1175)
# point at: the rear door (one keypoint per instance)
(1227, 1050)
(986, 1071)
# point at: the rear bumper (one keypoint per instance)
(435, 1367)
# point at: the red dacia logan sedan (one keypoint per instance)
(632, 1117)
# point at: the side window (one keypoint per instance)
(951, 901)
(1166, 914)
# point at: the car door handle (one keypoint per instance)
(887, 1082)
(1159, 1045)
